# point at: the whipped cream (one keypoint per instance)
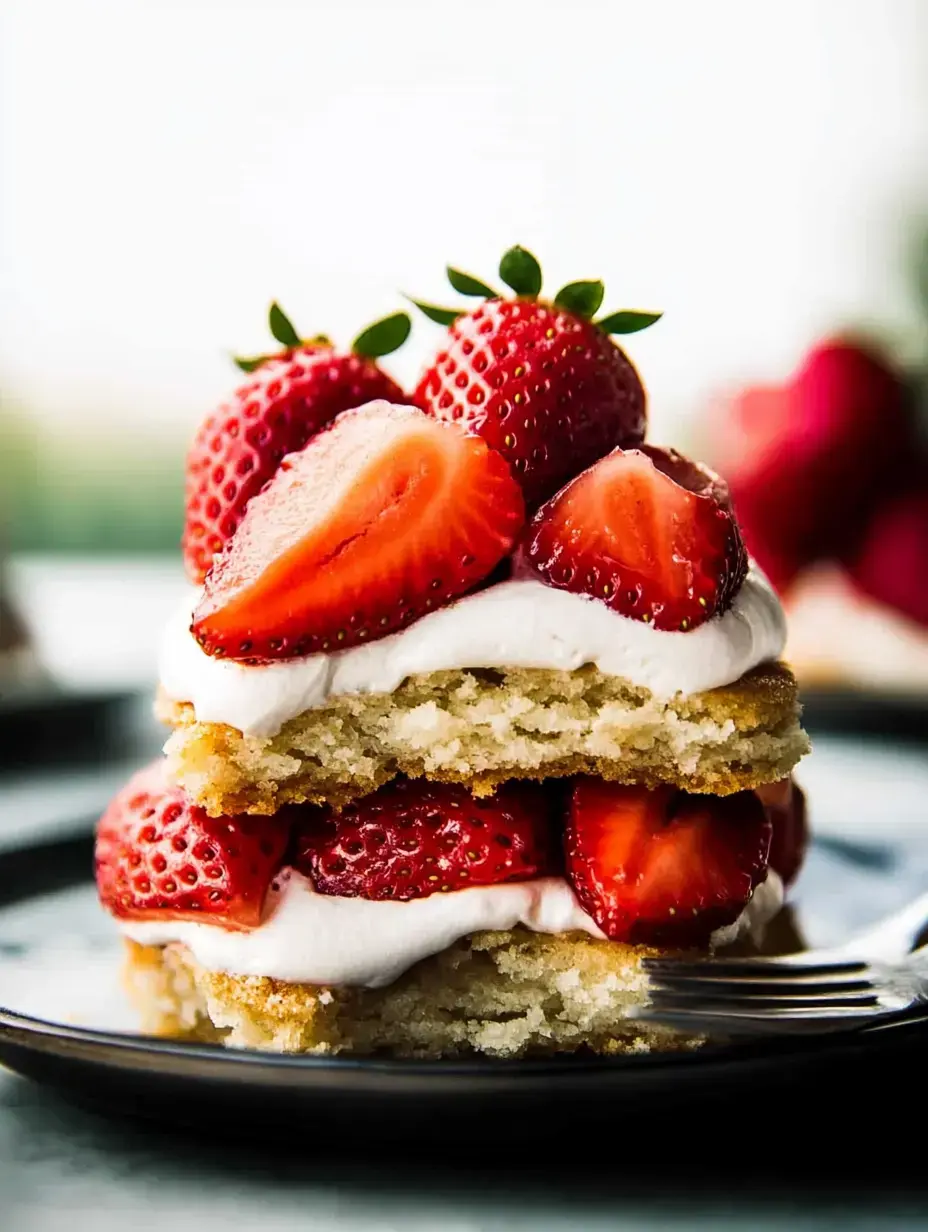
(518, 623)
(316, 938)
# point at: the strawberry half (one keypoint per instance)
(646, 532)
(786, 807)
(287, 400)
(664, 867)
(414, 838)
(542, 383)
(380, 519)
(158, 857)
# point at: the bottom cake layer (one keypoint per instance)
(504, 994)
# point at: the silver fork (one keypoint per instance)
(874, 976)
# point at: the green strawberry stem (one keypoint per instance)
(382, 338)
(520, 271)
(441, 316)
(466, 284)
(281, 327)
(583, 299)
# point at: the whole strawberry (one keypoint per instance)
(809, 461)
(289, 396)
(543, 383)
(414, 838)
(158, 857)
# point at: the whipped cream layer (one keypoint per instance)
(518, 623)
(313, 938)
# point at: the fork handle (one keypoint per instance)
(893, 937)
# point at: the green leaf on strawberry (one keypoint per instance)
(383, 337)
(441, 316)
(521, 272)
(583, 299)
(466, 284)
(627, 322)
(250, 364)
(281, 327)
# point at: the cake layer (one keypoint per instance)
(506, 626)
(505, 994)
(481, 727)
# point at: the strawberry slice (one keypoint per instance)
(158, 857)
(786, 807)
(381, 518)
(414, 838)
(646, 531)
(664, 867)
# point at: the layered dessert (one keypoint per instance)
(476, 703)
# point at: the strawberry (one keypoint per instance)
(786, 807)
(286, 400)
(890, 564)
(414, 838)
(383, 517)
(541, 382)
(158, 857)
(808, 461)
(645, 531)
(664, 867)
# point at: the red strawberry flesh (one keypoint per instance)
(786, 807)
(549, 391)
(645, 531)
(414, 838)
(380, 519)
(158, 857)
(239, 447)
(664, 867)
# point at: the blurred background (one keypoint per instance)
(758, 171)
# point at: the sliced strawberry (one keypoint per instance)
(414, 838)
(286, 400)
(664, 867)
(158, 857)
(380, 519)
(647, 532)
(786, 807)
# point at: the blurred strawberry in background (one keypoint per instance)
(890, 564)
(808, 462)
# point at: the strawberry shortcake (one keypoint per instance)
(476, 703)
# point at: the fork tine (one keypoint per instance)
(759, 985)
(734, 1001)
(702, 1022)
(764, 994)
(786, 968)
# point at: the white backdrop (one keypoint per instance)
(168, 167)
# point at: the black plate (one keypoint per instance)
(55, 943)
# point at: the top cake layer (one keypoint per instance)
(511, 625)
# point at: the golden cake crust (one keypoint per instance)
(482, 727)
(502, 994)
